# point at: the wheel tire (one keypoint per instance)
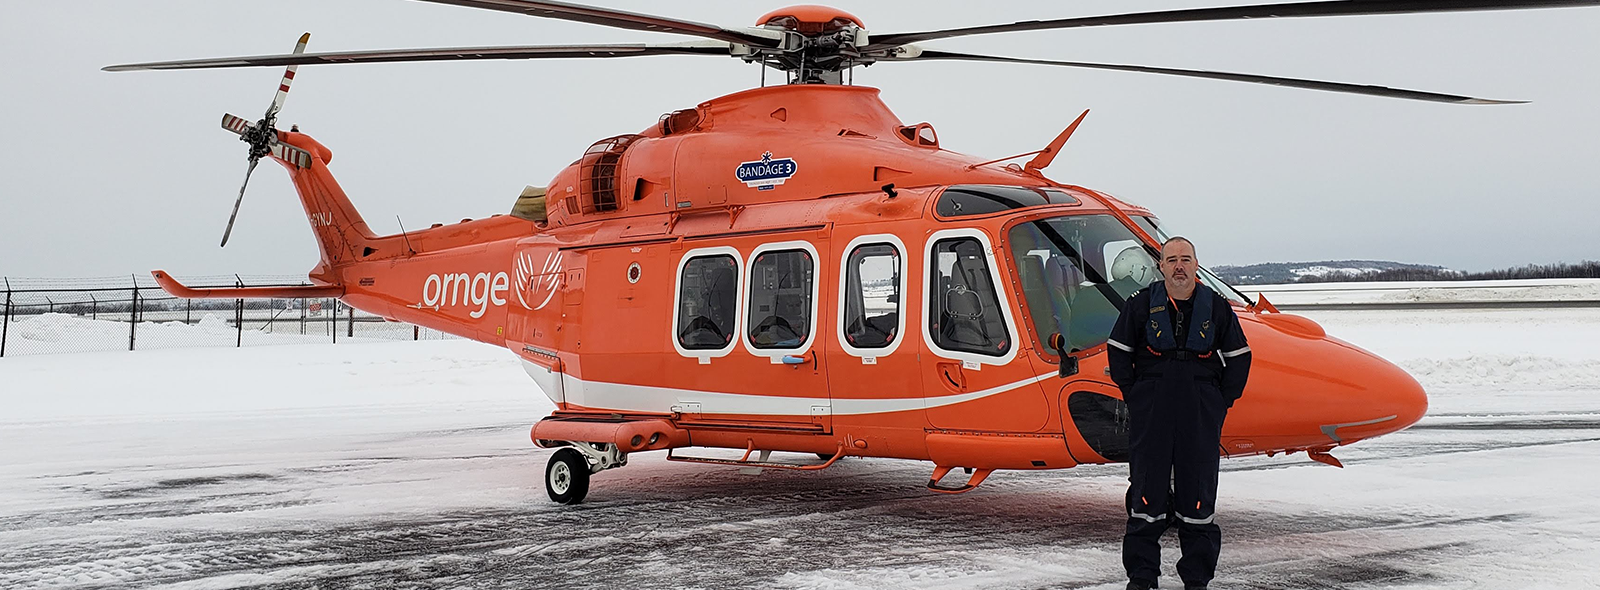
(826, 456)
(566, 477)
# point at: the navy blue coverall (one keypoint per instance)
(1180, 365)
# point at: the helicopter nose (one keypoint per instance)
(1342, 393)
(1383, 398)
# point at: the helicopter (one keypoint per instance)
(792, 268)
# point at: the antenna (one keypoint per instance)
(404, 236)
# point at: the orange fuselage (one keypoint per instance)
(596, 299)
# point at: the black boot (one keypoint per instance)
(1137, 584)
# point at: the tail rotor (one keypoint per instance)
(262, 136)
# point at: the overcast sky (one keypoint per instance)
(115, 173)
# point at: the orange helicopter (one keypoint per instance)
(792, 268)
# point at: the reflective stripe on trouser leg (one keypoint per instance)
(1148, 518)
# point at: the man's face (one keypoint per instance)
(1178, 265)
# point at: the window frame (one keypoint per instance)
(706, 354)
(890, 240)
(969, 360)
(775, 355)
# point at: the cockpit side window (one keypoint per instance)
(707, 302)
(964, 313)
(1076, 272)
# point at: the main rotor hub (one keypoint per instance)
(809, 19)
(819, 44)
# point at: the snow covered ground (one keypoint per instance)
(408, 465)
(1429, 291)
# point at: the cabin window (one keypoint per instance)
(708, 294)
(964, 313)
(780, 299)
(872, 296)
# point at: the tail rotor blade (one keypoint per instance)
(288, 78)
(235, 124)
(236, 202)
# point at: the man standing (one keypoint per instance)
(1180, 359)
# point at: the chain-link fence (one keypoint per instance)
(44, 316)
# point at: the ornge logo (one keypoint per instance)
(532, 283)
(450, 290)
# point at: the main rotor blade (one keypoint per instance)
(616, 18)
(235, 215)
(288, 78)
(1291, 10)
(439, 54)
(1252, 78)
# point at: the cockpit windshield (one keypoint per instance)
(1076, 272)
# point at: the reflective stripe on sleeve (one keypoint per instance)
(1234, 353)
(1122, 347)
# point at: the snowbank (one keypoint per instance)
(62, 333)
(1429, 291)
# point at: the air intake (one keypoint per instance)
(599, 174)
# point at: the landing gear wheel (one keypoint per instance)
(826, 456)
(566, 478)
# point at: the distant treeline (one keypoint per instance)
(1587, 269)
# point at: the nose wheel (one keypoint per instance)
(566, 477)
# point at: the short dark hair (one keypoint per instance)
(1178, 239)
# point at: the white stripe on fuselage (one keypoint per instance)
(646, 398)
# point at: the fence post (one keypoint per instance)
(50, 303)
(238, 314)
(302, 317)
(416, 332)
(94, 307)
(5, 325)
(133, 315)
(333, 319)
(351, 325)
(188, 308)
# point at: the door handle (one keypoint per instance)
(953, 376)
(795, 361)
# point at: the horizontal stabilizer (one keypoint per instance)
(176, 289)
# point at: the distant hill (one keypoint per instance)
(1277, 273)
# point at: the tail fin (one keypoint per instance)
(342, 235)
